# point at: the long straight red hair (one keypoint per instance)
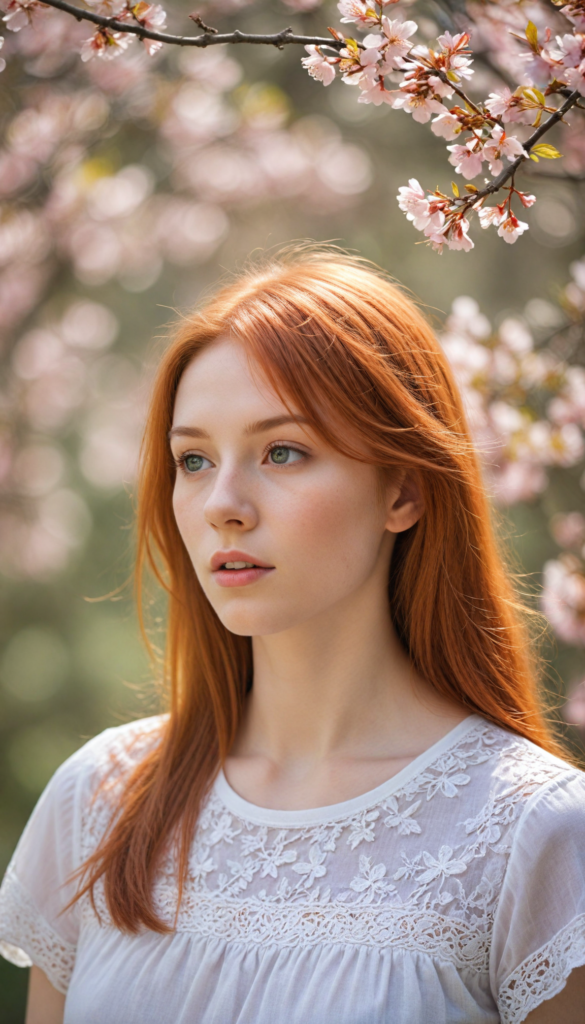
(336, 339)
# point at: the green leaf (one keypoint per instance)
(452, 77)
(533, 157)
(546, 151)
(471, 188)
(455, 188)
(532, 35)
(534, 94)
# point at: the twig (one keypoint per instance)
(209, 38)
(201, 24)
(462, 95)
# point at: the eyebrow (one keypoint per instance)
(258, 427)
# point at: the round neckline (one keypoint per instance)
(333, 812)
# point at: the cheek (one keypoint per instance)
(336, 527)
(186, 512)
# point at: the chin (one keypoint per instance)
(259, 621)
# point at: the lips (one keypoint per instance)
(251, 568)
(220, 558)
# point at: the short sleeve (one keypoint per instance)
(539, 927)
(34, 927)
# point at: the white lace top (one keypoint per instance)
(454, 893)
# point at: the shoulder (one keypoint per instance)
(529, 783)
(106, 760)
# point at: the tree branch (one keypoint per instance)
(279, 39)
(509, 171)
(462, 95)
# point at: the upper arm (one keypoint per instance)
(35, 927)
(568, 1006)
(538, 940)
(45, 1005)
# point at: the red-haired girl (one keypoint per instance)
(352, 811)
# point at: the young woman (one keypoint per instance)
(353, 811)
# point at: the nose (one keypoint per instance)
(228, 504)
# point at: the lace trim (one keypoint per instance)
(28, 939)
(308, 924)
(369, 878)
(544, 974)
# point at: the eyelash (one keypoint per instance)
(281, 444)
(180, 461)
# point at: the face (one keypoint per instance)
(278, 525)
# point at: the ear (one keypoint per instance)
(404, 501)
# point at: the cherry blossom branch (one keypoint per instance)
(463, 95)
(509, 171)
(208, 38)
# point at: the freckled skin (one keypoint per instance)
(319, 520)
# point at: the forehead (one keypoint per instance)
(223, 384)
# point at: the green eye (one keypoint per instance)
(193, 463)
(281, 455)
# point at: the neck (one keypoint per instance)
(339, 686)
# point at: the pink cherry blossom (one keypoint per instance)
(512, 482)
(418, 209)
(491, 215)
(397, 34)
(453, 233)
(511, 228)
(575, 78)
(105, 44)
(501, 145)
(574, 12)
(413, 201)
(357, 12)
(508, 106)
(467, 159)
(567, 445)
(570, 49)
(459, 237)
(371, 55)
(2, 61)
(320, 67)
(374, 91)
(568, 529)
(446, 125)
(455, 47)
(571, 54)
(19, 13)
(541, 67)
(152, 17)
(569, 405)
(452, 43)
(421, 107)
(439, 87)
(563, 598)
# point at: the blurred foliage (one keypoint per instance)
(71, 666)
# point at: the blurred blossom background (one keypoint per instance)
(127, 189)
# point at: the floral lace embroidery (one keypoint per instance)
(370, 878)
(375, 878)
(21, 923)
(544, 974)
